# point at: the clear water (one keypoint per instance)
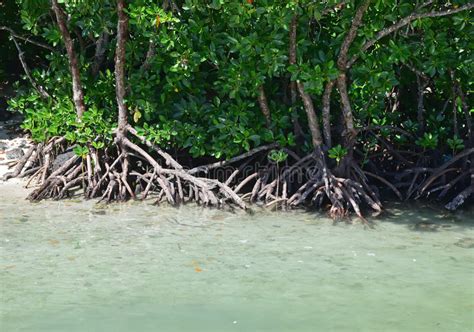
(79, 266)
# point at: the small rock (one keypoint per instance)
(61, 159)
(3, 146)
(16, 153)
(466, 242)
(426, 226)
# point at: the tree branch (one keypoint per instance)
(206, 168)
(292, 54)
(351, 34)
(342, 78)
(313, 122)
(402, 23)
(27, 39)
(77, 93)
(38, 87)
(334, 8)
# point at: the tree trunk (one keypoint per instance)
(77, 93)
(262, 101)
(297, 130)
(457, 91)
(327, 113)
(120, 90)
(350, 132)
(100, 48)
(312, 118)
(122, 27)
(421, 84)
(150, 53)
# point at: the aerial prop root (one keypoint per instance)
(37, 160)
(176, 184)
(262, 179)
(132, 172)
(294, 186)
(343, 193)
(439, 181)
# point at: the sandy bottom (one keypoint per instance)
(77, 265)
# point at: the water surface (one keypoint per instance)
(79, 266)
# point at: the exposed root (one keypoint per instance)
(129, 171)
(21, 164)
(460, 199)
(207, 168)
(38, 158)
(124, 172)
(307, 182)
(387, 183)
(449, 177)
(344, 194)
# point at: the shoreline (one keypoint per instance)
(13, 144)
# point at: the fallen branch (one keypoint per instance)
(207, 168)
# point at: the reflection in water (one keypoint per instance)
(77, 266)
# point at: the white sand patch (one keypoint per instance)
(12, 142)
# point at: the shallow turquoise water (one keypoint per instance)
(77, 266)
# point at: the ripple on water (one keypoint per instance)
(75, 266)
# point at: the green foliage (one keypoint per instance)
(455, 144)
(337, 153)
(44, 119)
(81, 151)
(199, 90)
(428, 141)
(277, 156)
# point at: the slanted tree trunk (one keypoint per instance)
(150, 53)
(313, 122)
(350, 132)
(422, 82)
(77, 92)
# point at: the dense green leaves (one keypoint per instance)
(194, 68)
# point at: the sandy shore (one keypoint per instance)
(13, 145)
